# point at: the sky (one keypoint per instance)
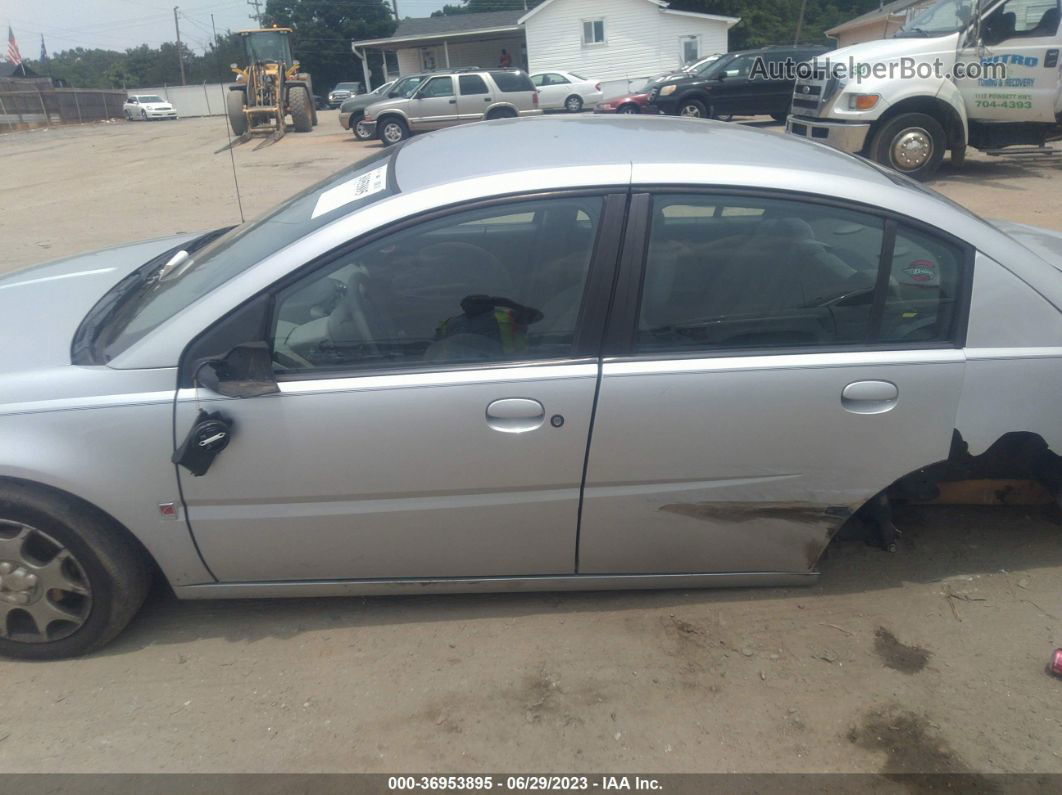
(121, 24)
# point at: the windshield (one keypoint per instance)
(268, 46)
(701, 66)
(715, 68)
(381, 89)
(151, 98)
(939, 19)
(406, 86)
(160, 290)
(345, 86)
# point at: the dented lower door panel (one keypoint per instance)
(752, 463)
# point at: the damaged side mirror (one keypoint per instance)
(245, 371)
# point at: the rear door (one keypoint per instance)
(781, 362)
(474, 97)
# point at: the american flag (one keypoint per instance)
(13, 55)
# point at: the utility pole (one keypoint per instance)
(395, 2)
(256, 4)
(180, 55)
(800, 21)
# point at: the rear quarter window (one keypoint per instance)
(512, 81)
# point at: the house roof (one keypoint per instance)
(895, 8)
(448, 26)
(457, 23)
(8, 69)
(661, 4)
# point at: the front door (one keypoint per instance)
(786, 361)
(437, 385)
(435, 104)
(1022, 35)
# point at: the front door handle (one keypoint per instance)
(515, 415)
(453, 101)
(869, 397)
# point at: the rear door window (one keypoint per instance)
(472, 84)
(512, 81)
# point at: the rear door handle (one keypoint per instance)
(869, 397)
(515, 415)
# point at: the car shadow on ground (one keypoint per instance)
(938, 543)
(998, 171)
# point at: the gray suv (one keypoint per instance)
(445, 98)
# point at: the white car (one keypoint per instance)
(148, 106)
(566, 91)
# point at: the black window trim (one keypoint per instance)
(623, 316)
(213, 341)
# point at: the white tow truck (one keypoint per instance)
(902, 102)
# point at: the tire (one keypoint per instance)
(392, 130)
(912, 143)
(360, 132)
(573, 104)
(779, 117)
(628, 109)
(234, 104)
(692, 108)
(299, 107)
(39, 528)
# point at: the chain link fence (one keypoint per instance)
(21, 110)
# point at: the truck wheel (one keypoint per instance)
(300, 108)
(234, 103)
(693, 108)
(912, 143)
(70, 580)
(393, 130)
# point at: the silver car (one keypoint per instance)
(430, 102)
(549, 354)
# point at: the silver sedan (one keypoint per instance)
(550, 353)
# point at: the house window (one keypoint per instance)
(691, 48)
(593, 31)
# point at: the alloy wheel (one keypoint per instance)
(44, 593)
(691, 111)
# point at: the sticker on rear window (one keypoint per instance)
(358, 188)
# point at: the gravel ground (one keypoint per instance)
(928, 660)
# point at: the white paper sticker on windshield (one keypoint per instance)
(358, 188)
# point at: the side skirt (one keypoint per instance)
(576, 582)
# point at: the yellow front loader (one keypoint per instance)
(270, 88)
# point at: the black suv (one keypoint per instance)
(727, 86)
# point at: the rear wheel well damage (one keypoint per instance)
(82, 506)
(1016, 456)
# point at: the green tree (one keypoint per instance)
(324, 30)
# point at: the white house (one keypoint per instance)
(619, 42)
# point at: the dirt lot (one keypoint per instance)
(928, 660)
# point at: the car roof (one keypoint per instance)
(506, 146)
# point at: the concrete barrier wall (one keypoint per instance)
(203, 99)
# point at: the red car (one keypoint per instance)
(632, 103)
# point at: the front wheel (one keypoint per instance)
(573, 104)
(70, 580)
(392, 131)
(234, 104)
(361, 132)
(628, 109)
(300, 109)
(911, 143)
(692, 108)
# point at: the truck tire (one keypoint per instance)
(301, 108)
(912, 143)
(234, 102)
(70, 578)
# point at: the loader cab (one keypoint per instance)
(272, 45)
